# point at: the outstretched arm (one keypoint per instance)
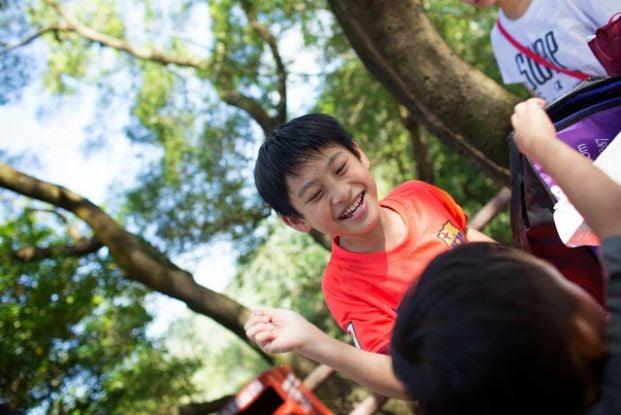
(280, 330)
(595, 195)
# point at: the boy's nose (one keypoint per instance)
(340, 194)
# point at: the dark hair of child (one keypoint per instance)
(287, 149)
(485, 331)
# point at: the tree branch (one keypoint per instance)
(402, 49)
(83, 246)
(369, 405)
(29, 39)
(234, 98)
(137, 261)
(492, 208)
(424, 169)
(252, 108)
(73, 25)
(319, 375)
(268, 38)
(71, 229)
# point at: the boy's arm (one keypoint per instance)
(280, 330)
(595, 195)
(472, 235)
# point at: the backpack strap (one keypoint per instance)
(538, 58)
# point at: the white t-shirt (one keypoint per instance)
(557, 30)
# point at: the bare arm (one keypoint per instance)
(280, 330)
(595, 195)
(472, 235)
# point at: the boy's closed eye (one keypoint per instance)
(315, 197)
(341, 169)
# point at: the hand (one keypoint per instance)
(532, 125)
(279, 330)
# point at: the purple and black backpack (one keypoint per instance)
(587, 118)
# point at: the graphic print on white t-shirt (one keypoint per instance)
(557, 30)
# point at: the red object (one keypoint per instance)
(606, 45)
(275, 392)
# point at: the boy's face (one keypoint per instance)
(335, 193)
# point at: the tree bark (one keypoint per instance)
(82, 247)
(460, 105)
(424, 167)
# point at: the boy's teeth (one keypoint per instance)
(353, 207)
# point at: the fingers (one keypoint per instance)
(256, 323)
(517, 115)
(260, 330)
(256, 317)
(525, 111)
(513, 120)
(264, 337)
(529, 103)
(256, 327)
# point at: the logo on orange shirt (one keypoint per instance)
(451, 235)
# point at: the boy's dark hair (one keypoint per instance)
(485, 331)
(289, 146)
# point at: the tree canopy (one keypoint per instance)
(198, 85)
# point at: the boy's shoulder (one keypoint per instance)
(420, 199)
(411, 186)
(412, 189)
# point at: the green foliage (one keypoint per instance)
(154, 112)
(228, 364)
(466, 29)
(276, 275)
(74, 331)
(211, 196)
(364, 107)
(127, 385)
(102, 15)
(69, 63)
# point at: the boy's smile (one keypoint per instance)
(336, 194)
(354, 208)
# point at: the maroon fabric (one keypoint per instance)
(534, 231)
(606, 45)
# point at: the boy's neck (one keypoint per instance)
(387, 234)
(514, 9)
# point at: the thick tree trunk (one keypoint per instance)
(460, 105)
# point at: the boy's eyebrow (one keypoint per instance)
(330, 161)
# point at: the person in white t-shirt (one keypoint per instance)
(558, 31)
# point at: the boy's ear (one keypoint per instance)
(363, 157)
(298, 224)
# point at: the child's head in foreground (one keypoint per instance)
(492, 330)
(310, 171)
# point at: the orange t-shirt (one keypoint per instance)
(363, 290)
